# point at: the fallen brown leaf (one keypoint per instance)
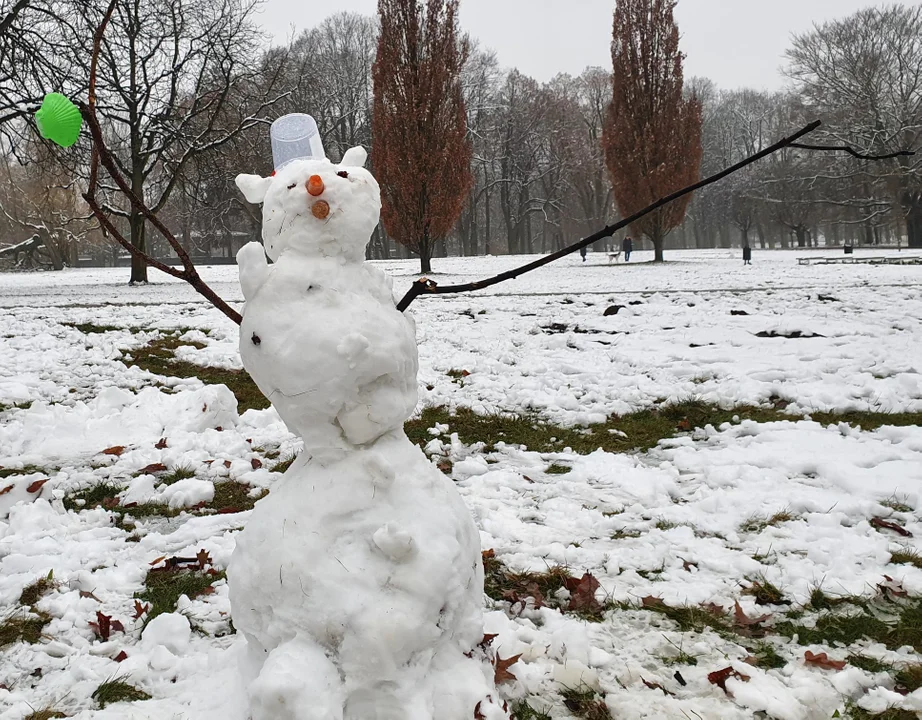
(741, 619)
(85, 594)
(203, 558)
(487, 640)
(227, 464)
(103, 626)
(114, 450)
(158, 560)
(36, 486)
(655, 686)
(6, 489)
(140, 609)
(256, 463)
(501, 669)
(720, 677)
(152, 468)
(688, 565)
(121, 656)
(582, 592)
(824, 661)
(652, 602)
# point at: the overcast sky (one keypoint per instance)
(734, 42)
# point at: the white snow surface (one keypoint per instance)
(664, 523)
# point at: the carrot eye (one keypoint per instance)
(343, 174)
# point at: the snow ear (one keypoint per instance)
(355, 157)
(253, 187)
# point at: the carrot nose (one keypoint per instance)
(315, 185)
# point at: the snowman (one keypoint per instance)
(357, 582)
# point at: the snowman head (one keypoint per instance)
(315, 208)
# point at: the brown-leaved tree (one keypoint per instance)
(652, 137)
(422, 155)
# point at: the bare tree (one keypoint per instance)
(170, 81)
(863, 75)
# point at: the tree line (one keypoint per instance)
(187, 90)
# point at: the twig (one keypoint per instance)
(428, 287)
(854, 153)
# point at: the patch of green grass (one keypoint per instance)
(24, 470)
(643, 429)
(26, 627)
(521, 710)
(105, 495)
(845, 628)
(909, 678)
(231, 495)
(868, 420)
(46, 714)
(625, 534)
(116, 691)
(693, 619)
(903, 626)
(853, 712)
(158, 357)
(584, 702)
(766, 593)
(680, 658)
(180, 472)
(907, 556)
(15, 406)
(500, 583)
(282, 465)
(32, 593)
(163, 588)
(558, 469)
(767, 657)
(868, 664)
(92, 496)
(87, 328)
(758, 523)
(896, 505)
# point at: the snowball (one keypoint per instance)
(186, 493)
(170, 630)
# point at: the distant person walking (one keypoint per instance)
(627, 247)
(747, 255)
(582, 252)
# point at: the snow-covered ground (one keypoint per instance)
(670, 523)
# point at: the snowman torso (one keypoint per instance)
(324, 342)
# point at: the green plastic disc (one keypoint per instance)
(59, 120)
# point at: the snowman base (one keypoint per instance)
(344, 582)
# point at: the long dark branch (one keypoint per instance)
(854, 153)
(424, 286)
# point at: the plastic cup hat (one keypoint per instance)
(295, 136)
(59, 120)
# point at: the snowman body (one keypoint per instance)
(357, 582)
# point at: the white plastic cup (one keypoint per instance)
(295, 136)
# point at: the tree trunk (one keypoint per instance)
(657, 241)
(801, 233)
(138, 266)
(914, 224)
(425, 254)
